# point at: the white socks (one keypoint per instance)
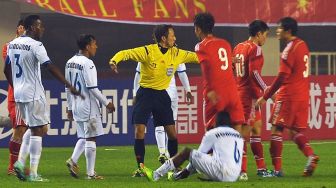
(79, 149)
(164, 169)
(90, 154)
(24, 149)
(161, 140)
(35, 153)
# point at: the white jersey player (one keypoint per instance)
(223, 165)
(25, 55)
(160, 135)
(81, 72)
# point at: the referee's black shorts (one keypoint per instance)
(156, 102)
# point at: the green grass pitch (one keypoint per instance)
(117, 163)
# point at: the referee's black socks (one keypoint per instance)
(172, 147)
(139, 150)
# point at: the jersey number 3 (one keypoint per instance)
(17, 58)
(222, 55)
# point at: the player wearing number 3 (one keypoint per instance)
(220, 89)
(291, 105)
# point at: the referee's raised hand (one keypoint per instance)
(113, 66)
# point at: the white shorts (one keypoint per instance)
(34, 113)
(90, 129)
(174, 107)
(215, 169)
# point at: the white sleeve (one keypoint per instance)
(41, 53)
(206, 144)
(90, 75)
(184, 80)
(69, 98)
(136, 80)
(67, 91)
(101, 98)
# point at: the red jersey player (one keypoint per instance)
(220, 89)
(250, 87)
(291, 105)
(18, 125)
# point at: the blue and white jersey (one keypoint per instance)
(227, 145)
(81, 72)
(172, 89)
(25, 56)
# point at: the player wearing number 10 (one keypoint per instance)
(251, 86)
(220, 89)
(292, 101)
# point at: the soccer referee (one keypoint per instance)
(158, 64)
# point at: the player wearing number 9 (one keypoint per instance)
(292, 101)
(220, 89)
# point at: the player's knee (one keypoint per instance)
(277, 129)
(140, 131)
(186, 153)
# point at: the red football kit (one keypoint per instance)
(292, 100)
(250, 84)
(214, 55)
(10, 97)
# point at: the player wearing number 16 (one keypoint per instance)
(220, 89)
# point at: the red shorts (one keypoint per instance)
(228, 102)
(290, 114)
(14, 116)
(251, 113)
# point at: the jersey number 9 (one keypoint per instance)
(222, 55)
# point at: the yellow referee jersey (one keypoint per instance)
(157, 69)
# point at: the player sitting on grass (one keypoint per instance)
(223, 165)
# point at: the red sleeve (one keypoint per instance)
(4, 51)
(275, 85)
(255, 61)
(200, 52)
(287, 59)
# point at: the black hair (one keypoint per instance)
(257, 26)
(20, 22)
(223, 119)
(160, 31)
(84, 40)
(288, 23)
(30, 21)
(205, 21)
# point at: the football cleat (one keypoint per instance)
(162, 158)
(149, 173)
(37, 178)
(243, 176)
(178, 175)
(278, 173)
(19, 170)
(311, 165)
(72, 167)
(95, 177)
(264, 173)
(137, 173)
(11, 172)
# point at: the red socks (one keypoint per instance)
(257, 150)
(303, 144)
(14, 149)
(276, 151)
